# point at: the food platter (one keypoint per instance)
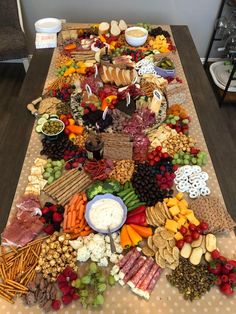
(155, 215)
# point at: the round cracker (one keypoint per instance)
(175, 253)
(158, 241)
(167, 235)
(150, 242)
(147, 251)
(159, 260)
(168, 257)
(167, 210)
(171, 242)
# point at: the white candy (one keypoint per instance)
(192, 179)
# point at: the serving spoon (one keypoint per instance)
(112, 244)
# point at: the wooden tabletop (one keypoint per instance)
(215, 132)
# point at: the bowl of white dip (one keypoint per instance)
(106, 211)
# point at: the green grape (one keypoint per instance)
(54, 163)
(172, 121)
(57, 174)
(176, 118)
(50, 170)
(86, 280)
(199, 162)
(46, 175)
(174, 161)
(111, 280)
(187, 156)
(78, 283)
(178, 161)
(49, 160)
(101, 287)
(93, 267)
(176, 156)
(181, 153)
(101, 278)
(185, 121)
(170, 116)
(83, 293)
(186, 162)
(99, 299)
(50, 179)
(57, 169)
(194, 160)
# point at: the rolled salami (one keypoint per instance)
(142, 272)
(126, 257)
(154, 280)
(130, 263)
(138, 264)
(144, 283)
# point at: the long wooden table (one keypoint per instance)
(12, 156)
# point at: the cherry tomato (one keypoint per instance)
(188, 239)
(195, 235)
(179, 244)
(183, 230)
(192, 227)
(199, 230)
(204, 225)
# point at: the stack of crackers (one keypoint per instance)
(157, 215)
(162, 246)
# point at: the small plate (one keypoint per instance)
(107, 196)
(48, 25)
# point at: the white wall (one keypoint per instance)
(199, 15)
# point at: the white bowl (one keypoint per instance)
(48, 25)
(54, 119)
(136, 40)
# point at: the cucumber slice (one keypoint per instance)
(41, 121)
(54, 116)
(45, 116)
(39, 128)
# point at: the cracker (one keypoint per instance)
(167, 235)
(162, 210)
(174, 265)
(161, 251)
(167, 210)
(149, 216)
(159, 260)
(150, 242)
(168, 257)
(159, 229)
(169, 248)
(158, 241)
(171, 242)
(175, 253)
(147, 251)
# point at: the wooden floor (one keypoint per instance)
(218, 124)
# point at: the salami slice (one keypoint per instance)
(126, 257)
(131, 261)
(144, 283)
(154, 280)
(138, 264)
(142, 272)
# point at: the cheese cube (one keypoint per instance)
(191, 218)
(174, 210)
(186, 212)
(172, 202)
(171, 225)
(181, 221)
(178, 236)
(184, 202)
(179, 196)
(182, 206)
(166, 200)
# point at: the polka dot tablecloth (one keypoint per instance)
(164, 299)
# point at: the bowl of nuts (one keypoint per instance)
(53, 127)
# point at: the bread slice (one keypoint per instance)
(106, 79)
(110, 75)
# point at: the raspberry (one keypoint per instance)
(49, 229)
(65, 289)
(61, 278)
(57, 217)
(56, 304)
(67, 299)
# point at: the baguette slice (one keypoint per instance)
(106, 79)
(115, 30)
(103, 28)
(110, 74)
(122, 25)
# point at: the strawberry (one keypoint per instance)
(228, 266)
(218, 281)
(56, 304)
(214, 268)
(43, 220)
(222, 259)
(75, 296)
(232, 278)
(232, 262)
(226, 289)
(57, 217)
(67, 299)
(224, 278)
(53, 208)
(65, 289)
(224, 270)
(45, 210)
(215, 254)
(49, 229)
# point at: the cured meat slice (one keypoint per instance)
(144, 283)
(131, 262)
(126, 257)
(154, 280)
(138, 264)
(142, 272)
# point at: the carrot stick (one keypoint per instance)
(78, 201)
(82, 222)
(73, 199)
(73, 218)
(81, 212)
(87, 228)
(69, 220)
(85, 232)
(84, 196)
(65, 220)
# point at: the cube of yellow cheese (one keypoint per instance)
(179, 196)
(171, 225)
(166, 200)
(172, 202)
(182, 206)
(178, 236)
(174, 210)
(184, 202)
(181, 221)
(191, 218)
(186, 212)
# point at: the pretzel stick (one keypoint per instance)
(8, 299)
